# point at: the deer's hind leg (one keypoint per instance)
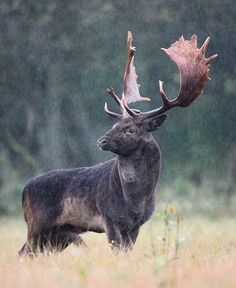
(63, 237)
(25, 250)
(53, 240)
(77, 240)
(31, 246)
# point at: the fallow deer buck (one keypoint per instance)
(117, 196)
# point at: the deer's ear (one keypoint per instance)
(155, 123)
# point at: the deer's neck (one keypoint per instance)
(139, 171)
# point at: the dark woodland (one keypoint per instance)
(57, 59)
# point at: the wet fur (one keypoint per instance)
(115, 197)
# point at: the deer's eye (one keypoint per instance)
(130, 131)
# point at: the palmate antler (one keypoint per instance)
(193, 68)
(130, 86)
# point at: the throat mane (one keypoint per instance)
(127, 172)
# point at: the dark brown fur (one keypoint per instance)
(115, 197)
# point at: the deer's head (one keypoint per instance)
(134, 127)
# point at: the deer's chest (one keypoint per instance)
(138, 183)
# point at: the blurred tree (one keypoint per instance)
(57, 57)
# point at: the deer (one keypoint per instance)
(117, 196)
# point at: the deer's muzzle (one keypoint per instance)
(102, 142)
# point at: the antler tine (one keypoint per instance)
(114, 96)
(205, 45)
(167, 104)
(211, 58)
(122, 104)
(165, 100)
(113, 114)
(193, 68)
(119, 101)
(128, 110)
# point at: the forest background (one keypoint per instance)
(58, 57)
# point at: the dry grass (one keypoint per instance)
(206, 257)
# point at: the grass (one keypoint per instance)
(170, 252)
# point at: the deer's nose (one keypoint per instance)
(102, 141)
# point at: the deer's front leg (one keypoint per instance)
(113, 235)
(129, 238)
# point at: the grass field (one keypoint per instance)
(170, 252)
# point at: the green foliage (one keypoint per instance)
(57, 58)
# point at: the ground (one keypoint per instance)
(171, 251)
